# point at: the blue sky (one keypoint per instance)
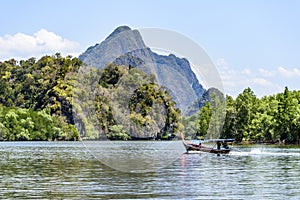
(253, 43)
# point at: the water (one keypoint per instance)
(65, 170)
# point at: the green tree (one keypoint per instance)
(117, 132)
(229, 129)
(204, 120)
(245, 108)
(218, 112)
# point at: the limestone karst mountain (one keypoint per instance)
(125, 46)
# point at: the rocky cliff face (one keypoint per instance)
(210, 95)
(119, 42)
(126, 47)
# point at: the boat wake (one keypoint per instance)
(262, 152)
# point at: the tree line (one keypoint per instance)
(59, 98)
(247, 118)
(25, 124)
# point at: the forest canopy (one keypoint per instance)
(271, 119)
(59, 98)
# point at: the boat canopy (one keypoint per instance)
(214, 140)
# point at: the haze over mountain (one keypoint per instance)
(125, 46)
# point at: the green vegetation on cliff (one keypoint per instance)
(122, 103)
(35, 99)
(48, 98)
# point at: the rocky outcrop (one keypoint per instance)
(125, 46)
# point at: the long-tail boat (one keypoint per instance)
(220, 147)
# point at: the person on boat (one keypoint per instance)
(225, 145)
(218, 145)
(200, 145)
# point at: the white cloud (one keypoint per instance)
(261, 81)
(246, 71)
(266, 73)
(231, 78)
(22, 46)
(221, 62)
(289, 73)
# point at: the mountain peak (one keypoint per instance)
(122, 40)
(119, 30)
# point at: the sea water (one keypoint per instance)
(68, 170)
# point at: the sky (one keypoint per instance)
(252, 43)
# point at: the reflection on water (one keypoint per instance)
(136, 156)
(64, 170)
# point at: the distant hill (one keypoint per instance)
(126, 47)
(207, 96)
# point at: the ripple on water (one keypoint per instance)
(59, 170)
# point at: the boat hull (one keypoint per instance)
(194, 147)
